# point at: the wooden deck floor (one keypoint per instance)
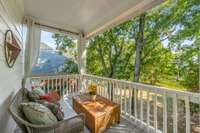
(123, 127)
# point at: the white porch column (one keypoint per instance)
(82, 54)
(82, 62)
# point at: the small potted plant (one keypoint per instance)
(92, 89)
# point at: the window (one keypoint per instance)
(58, 54)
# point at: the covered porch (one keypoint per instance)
(144, 108)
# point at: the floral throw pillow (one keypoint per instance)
(52, 96)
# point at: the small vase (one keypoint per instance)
(93, 97)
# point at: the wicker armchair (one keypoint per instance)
(74, 124)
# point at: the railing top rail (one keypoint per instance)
(145, 86)
(51, 75)
(133, 84)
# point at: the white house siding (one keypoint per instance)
(10, 78)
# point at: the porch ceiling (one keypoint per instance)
(85, 16)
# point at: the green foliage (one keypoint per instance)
(67, 46)
(110, 54)
(189, 66)
(169, 52)
(70, 67)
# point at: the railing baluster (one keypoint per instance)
(48, 85)
(74, 86)
(71, 85)
(52, 83)
(148, 109)
(110, 90)
(67, 85)
(130, 100)
(60, 87)
(114, 91)
(118, 98)
(101, 88)
(155, 113)
(98, 90)
(56, 86)
(164, 113)
(141, 105)
(105, 90)
(125, 99)
(121, 97)
(135, 102)
(174, 113)
(187, 111)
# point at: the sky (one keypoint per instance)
(46, 37)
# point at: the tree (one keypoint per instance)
(67, 46)
(159, 45)
(139, 40)
(110, 52)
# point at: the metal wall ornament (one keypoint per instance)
(11, 48)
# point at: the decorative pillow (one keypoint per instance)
(55, 109)
(38, 114)
(35, 94)
(52, 96)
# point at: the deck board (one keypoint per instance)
(123, 127)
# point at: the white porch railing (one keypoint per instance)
(65, 84)
(151, 106)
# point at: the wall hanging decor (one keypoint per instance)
(11, 48)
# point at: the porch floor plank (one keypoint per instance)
(123, 127)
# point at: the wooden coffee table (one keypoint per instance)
(100, 114)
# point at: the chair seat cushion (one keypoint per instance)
(38, 114)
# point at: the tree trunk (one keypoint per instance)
(99, 50)
(139, 42)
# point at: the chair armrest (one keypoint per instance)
(57, 126)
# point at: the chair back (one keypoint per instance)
(15, 109)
